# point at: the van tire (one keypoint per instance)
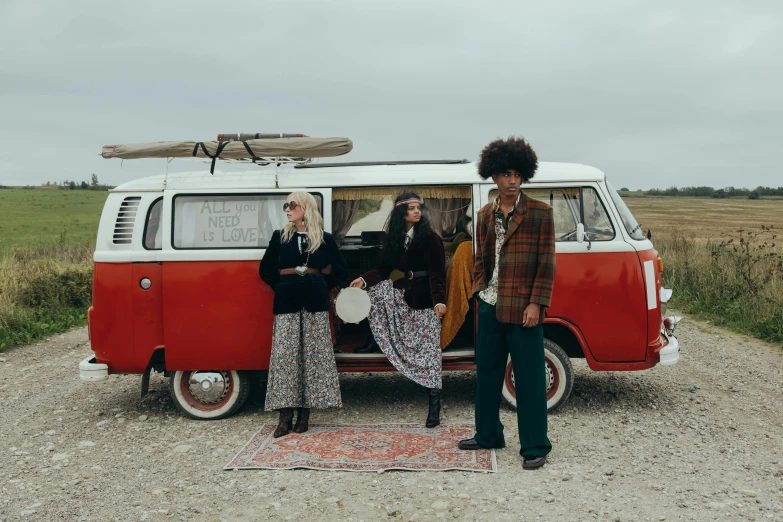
(560, 378)
(224, 405)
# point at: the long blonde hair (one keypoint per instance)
(312, 221)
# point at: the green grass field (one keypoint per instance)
(44, 218)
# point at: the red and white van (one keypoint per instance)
(176, 285)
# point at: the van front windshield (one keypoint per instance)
(629, 222)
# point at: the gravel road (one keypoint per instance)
(697, 441)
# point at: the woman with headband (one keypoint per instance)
(405, 315)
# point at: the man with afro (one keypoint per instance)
(512, 284)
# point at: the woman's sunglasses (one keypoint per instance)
(292, 205)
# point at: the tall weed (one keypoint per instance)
(736, 282)
(43, 291)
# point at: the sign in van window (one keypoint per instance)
(233, 221)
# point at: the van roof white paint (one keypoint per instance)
(349, 176)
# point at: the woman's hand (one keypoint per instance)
(440, 309)
(357, 283)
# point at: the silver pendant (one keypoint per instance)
(301, 270)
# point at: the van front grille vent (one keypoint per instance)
(123, 228)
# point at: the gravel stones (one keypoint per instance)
(706, 454)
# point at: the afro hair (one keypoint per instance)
(503, 155)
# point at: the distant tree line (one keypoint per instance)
(78, 185)
(710, 192)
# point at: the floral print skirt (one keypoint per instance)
(302, 370)
(409, 338)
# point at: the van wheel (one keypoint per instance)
(559, 378)
(209, 394)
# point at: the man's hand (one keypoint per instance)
(357, 283)
(532, 315)
(440, 309)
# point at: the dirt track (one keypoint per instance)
(699, 441)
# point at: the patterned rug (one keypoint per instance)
(359, 447)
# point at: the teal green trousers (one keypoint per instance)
(494, 342)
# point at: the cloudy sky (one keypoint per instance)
(654, 93)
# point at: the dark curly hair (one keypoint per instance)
(395, 230)
(503, 155)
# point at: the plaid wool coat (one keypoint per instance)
(527, 258)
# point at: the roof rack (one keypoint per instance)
(372, 163)
(258, 148)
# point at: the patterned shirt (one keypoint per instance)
(490, 294)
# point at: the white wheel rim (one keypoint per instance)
(553, 366)
(205, 414)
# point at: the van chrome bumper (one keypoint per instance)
(91, 371)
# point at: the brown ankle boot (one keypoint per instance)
(284, 425)
(302, 420)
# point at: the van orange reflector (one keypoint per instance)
(660, 264)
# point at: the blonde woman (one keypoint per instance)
(301, 264)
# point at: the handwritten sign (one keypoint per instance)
(227, 222)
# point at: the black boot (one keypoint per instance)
(302, 420)
(284, 424)
(433, 417)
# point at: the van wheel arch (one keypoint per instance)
(565, 338)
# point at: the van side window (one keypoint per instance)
(208, 221)
(598, 226)
(153, 239)
(567, 208)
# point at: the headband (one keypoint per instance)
(406, 201)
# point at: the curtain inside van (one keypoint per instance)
(446, 213)
(343, 214)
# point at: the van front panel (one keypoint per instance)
(652, 275)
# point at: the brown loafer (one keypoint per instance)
(534, 462)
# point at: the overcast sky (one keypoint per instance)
(654, 93)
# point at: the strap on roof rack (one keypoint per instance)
(220, 147)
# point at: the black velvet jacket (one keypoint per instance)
(310, 291)
(422, 292)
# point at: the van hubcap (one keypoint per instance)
(550, 377)
(209, 387)
(552, 380)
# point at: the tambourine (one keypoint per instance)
(352, 305)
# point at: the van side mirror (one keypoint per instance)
(580, 235)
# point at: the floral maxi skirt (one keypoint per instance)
(409, 338)
(302, 370)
